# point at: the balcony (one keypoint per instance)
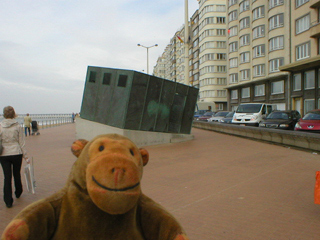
(315, 29)
(314, 3)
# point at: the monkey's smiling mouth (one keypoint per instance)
(115, 189)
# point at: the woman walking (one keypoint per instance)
(14, 151)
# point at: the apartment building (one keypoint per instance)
(304, 58)
(274, 53)
(258, 44)
(160, 68)
(212, 54)
(207, 51)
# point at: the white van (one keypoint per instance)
(252, 113)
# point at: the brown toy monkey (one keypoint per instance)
(101, 200)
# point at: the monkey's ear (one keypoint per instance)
(77, 146)
(145, 156)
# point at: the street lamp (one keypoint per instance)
(139, 45)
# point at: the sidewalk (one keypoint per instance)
(218, 186)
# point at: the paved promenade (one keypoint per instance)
(218, 186)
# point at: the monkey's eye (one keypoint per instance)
(131, 152)
(101, 148)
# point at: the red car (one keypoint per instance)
(310, 122)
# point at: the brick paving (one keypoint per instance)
(218, 186)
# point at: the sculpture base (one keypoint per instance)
(86, 129)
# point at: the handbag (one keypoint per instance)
(29, 176)
(317, 189)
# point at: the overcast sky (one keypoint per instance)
(46, 46)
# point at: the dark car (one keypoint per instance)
(199, 113)
(310, 122)
(281, 120)
(205, 116)
(228, 118)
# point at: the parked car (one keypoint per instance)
(251, 114)
(205, 116)
(218, 116)
(281, 120)
(310, 122)
(228, 118)
(199, 113)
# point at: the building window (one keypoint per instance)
(233, 78)
(244, 5)
(234, 94)
(277, 87)
(233, 31)
(221, 93)
(219, 106)
(309, 80)
(245, 92)
(232, 2)
(195, 32)
(221, 81)
(221, 69)
(221, 56)
(303, 51)
(196, 54)
(276, 43)
(245, 74)
(309, 104)
(300, 2)
(297, 82)
(207, 81)
(245, 40)
(221, 44)
(276, 21)
(233, 62)
(274, 64)
(207, 57)
(233, 15)
(206, 9)
(259, 70)
(259, 90)
(233, 47)
(206, 21)
(221, 20)
(207, 45)
(259, 51)
(244, 57)
(206, 33)
(244, 23)
(221, 32)
(207, 69)
(258, 13)
(195, 43)
(275, 3)
(258, 31)
(302, 24)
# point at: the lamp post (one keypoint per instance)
(139, 45)
(186, 43)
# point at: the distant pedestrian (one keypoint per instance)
(13, 142)
(27, 124)
(73, 116)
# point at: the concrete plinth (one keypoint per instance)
(86, 129)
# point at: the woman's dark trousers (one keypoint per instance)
(11, 165)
